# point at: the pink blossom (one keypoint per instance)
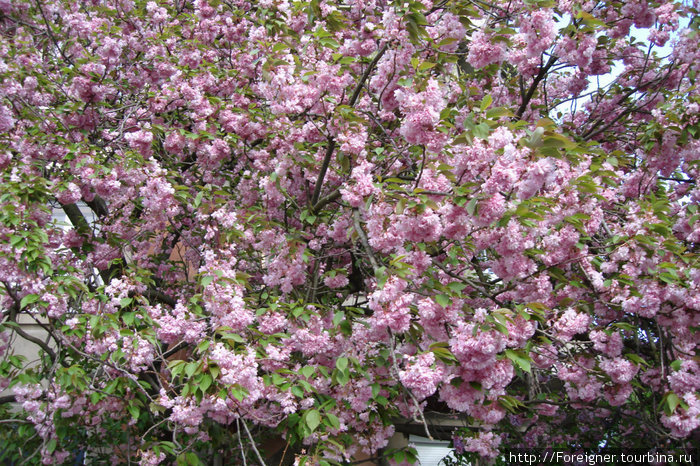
(362, 184)
(336, 281)
(150, 458)
(484, 443)
(476, 349)
(683, 421)
(422, 110)
(571, 323)
(7, 121)
(687, 378)
(483, 51)
(620, 370)
(421, 375)
(70, 194)
(609, 344)
(141, 141)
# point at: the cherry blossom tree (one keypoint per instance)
(316, 222)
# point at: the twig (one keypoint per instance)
(17, 421)
(363, 239)
(677, 180)
(49, 32)
(365, 76)
(407, 390)
(155, 295)
(322, 172)
(471, 283)
(12, 317)
(284, 453)
(240, 442)
(252, 443)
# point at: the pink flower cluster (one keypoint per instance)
(476, 348)
(422, 115)
(176, 324)
(484, 443)
(483, 50)
(421, 375)
(570, 323)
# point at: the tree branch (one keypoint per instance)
(155, 295)
(322, 172)
(47, 349)
(82, 226)
(326, 200)
(12, 317)
(331, 141)
(364, 240)
(533, 87)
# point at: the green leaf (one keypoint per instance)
(381, 276)
(205, 382)
(313, 419)
(191, 368)
(510, 403)
(521, 360)
(443, 354)
(29, 299)
(671, 403)
(51, 445)
(128, 318)
(482, 130)
(456, 286)
(333, 420)
(297, 391)
(134, 411)
(341, 363)
(279, 46)
(635, 358)
(472, 205)
(342, 377)
(207, 280)
(307, 371)
(486, 102)
(239, 393)
(443, 300)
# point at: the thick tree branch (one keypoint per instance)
(41, 344)
(322, 172)
(326, 200)
(157, 296)
(12, 317)
(7, 399)
(99, 206)
(82, 226)
(677, 180)
(76, 217)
